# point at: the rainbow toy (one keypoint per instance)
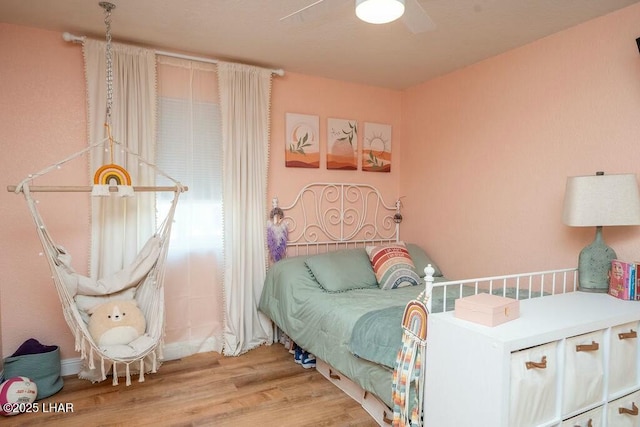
(414, 319)
(407, 391)
(112, 174)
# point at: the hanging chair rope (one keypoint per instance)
(108, 7)
(55, 166)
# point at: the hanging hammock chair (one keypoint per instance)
(142, 280)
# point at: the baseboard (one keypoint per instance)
(70, 366)
(172, 351)
(179, 350)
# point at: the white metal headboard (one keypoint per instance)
(329, 216)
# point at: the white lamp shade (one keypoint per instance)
(379, 11)
(601, 200)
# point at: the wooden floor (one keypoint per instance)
(263, 387)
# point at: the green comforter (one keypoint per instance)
(322, 322)
(377, 334)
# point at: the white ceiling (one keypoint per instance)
(327, 41)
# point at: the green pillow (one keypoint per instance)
(343, 270)
(421, 260)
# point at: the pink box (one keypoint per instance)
(487, 309)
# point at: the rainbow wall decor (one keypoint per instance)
(414, 319)
(112, 174)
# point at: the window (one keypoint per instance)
(189, 149)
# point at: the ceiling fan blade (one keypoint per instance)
(416, 18)
(299, 11)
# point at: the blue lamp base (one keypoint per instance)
(594, 264)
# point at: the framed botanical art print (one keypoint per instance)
(302, 141)
(376, 148)
(342, 144)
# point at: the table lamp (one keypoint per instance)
(595, 201)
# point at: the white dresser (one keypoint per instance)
(569, 360)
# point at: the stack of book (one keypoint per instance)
(624, 283)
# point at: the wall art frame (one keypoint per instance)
(376, 147)
(302, 141)
(342, 144)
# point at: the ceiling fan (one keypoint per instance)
(409, 11)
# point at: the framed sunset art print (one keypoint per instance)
(342, 144)
(302, 145)
(376, 148)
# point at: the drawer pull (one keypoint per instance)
(632, 411)
(627, 335)
(542, 364)
(594, 346)
(333, 376)
(589, 424)
(386, 419)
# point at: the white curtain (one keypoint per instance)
(190, 150)
(121, 226)
(245, 97)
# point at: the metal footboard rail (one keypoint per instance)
(517, 286)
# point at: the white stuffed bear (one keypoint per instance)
(116, 322)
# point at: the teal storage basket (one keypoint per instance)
(41, 368)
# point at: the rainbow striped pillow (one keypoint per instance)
(393, 266)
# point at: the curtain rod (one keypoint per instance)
(77, 39)
(89, 188)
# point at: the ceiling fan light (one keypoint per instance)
(379, 11)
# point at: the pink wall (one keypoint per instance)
(487, 149)
(42, 117)
(481, 154)
(43, 120)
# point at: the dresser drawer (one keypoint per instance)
(592, 418)
(623, 412)
(583, 381)
(533, 385)
(623, 357)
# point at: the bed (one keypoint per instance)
(331, 298)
